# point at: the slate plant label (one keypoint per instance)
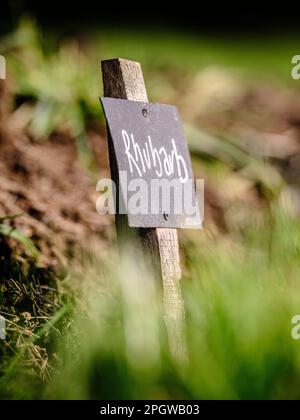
(149, 144)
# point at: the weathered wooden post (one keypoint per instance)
(123, 79)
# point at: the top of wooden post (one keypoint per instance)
(124, 80)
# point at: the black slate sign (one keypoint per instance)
(153, 164)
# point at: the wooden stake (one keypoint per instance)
(123, 79)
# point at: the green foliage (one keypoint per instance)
(54, 81)
(239, 305)
(53, 74)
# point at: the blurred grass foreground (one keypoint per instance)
(79, 325)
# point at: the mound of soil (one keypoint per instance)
(46, 183)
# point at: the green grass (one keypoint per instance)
(268, 57)
(239, 304)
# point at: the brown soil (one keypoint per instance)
(46, 183)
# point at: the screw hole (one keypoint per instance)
(145, 112)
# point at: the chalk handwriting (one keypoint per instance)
(144, 158)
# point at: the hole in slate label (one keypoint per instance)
(145, 112)
(166, 216)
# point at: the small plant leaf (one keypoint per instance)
(16, 234)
